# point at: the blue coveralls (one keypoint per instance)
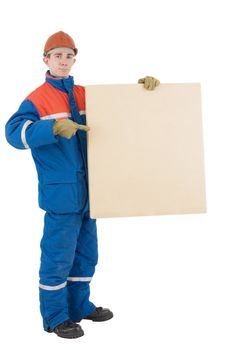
(69, 251)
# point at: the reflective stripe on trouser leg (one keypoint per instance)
(59, 286)
(79, 279)
(86, 257)
(57, 255)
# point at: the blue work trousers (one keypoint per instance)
(69, 254)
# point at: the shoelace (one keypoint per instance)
(98, 309)
(69, 323)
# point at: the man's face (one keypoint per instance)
(60, 63)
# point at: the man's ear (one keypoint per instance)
(74, 61)
(45, 59)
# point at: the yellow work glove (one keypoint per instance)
(67, 128)
(150, 83)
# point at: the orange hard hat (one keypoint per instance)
(59, 39)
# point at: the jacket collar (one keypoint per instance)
(63, 84)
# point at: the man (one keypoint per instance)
(51, 122)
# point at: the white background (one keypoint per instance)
(168, 279)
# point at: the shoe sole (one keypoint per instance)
(67, 337)
(96, 320)
(70, 337)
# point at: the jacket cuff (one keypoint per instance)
(40, 133)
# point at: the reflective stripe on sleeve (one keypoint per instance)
(23, 133)
(60, 115)
(56, 116)
(79, 279)
(59, 286)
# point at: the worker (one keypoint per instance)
(51, 122)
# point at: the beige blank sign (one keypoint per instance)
(145, 150)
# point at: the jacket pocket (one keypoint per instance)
(63, 194)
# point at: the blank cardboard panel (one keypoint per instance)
(145, 150)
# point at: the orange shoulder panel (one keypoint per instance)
(49, 100)
(79, 94)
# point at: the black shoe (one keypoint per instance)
(68, 329)
(99, 315)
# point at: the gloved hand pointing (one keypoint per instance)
(67, 128)
(150, 83)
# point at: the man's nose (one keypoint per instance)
(63, 63)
